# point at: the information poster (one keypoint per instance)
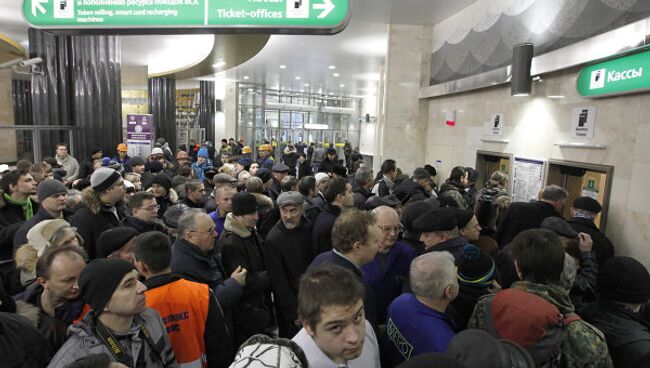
(139, 134)
(528, 179)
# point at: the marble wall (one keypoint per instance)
(533, 125)
(404, 115)
(8, 142)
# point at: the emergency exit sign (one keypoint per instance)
(295, 16)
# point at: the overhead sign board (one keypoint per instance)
(294, 16)
(623, 75)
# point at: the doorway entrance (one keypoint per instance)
(583, 179)
(488, 162)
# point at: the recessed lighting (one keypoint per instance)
(283, 66)
(341, 85)
(332, 67)
(246, 77)
(331, 94)
(219, 64)
(336, 75)
(298, 78)
(306, 84)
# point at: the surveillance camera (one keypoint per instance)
(29, 62)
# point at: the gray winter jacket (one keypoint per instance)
(83, 342)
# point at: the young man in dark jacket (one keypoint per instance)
(243, 247)
(288, 255)
(103, 208)
(200, 335)
(15, 208)
(339, 197)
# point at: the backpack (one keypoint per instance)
(487, 208)
(530, 321)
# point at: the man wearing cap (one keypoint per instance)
(439, 232)
(389, 269)
(623, 287)
(266, 159)
(288, 254)
(322, 182)
(119, 324)
(52, 303)
(583, 213)
(136, 165)
(417, 322)
(339, 197)
(280, 171)
(411, 213)
(116, 243)
(161, 188)
(122, 157)
(51, 195)
(202, 163)
(193, 318)
(103, 208)
(528, 305)
(243, 247)
(144, 214)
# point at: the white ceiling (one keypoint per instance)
(357, 53)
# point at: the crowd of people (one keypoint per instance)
(301, 258)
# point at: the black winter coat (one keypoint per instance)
(322, 235)
(627, 335)
(288, 254)
(142, 227)
(522, 216)
(89, 224)
(360, 196)
(603, 248)
(243, 247)
(12, 217)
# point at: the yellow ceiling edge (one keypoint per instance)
(233, 49)
(10, 49)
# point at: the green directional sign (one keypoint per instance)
(622, 75)
(296, 16)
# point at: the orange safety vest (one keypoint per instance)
(183, 306)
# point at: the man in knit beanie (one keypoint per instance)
(103, 208)
(51, 195)
(118, 324)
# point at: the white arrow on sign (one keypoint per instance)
(327, 6)
(38, 5)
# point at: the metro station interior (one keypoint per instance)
(417, 81)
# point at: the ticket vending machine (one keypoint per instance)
(583, 179)
(488, 162)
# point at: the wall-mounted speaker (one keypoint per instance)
(522, 57)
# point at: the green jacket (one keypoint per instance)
(584, 346)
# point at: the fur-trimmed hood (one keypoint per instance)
(263, 200)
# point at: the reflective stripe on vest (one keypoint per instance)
(183, 306)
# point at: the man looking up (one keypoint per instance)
(195, 324)
(119, 324)
(336, 332)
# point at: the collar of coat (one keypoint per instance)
(235, 227)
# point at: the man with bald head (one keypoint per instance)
(390, 268)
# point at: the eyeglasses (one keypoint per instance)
(388, 229)
(150, 208)
(210, 230)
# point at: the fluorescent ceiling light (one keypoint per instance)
(283, 66)
(246, 77)
(306, 84)
(556, 96)
(521, 95)
(298, 78)
(332, 67)
(336, 75)
(219, 64)
(341, 85)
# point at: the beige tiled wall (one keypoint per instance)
(7, 137)
(534, 124)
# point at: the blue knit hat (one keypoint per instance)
(203, 152)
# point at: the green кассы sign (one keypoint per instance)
(140, 16)
(622, 75)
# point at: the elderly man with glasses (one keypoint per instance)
(389, 270)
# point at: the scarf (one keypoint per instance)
(26, 204)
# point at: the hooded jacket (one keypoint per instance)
(243, 247)
(584, 346)
(267, 213)
(83, 342)
(450, 189)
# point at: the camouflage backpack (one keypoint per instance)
(530, 321)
